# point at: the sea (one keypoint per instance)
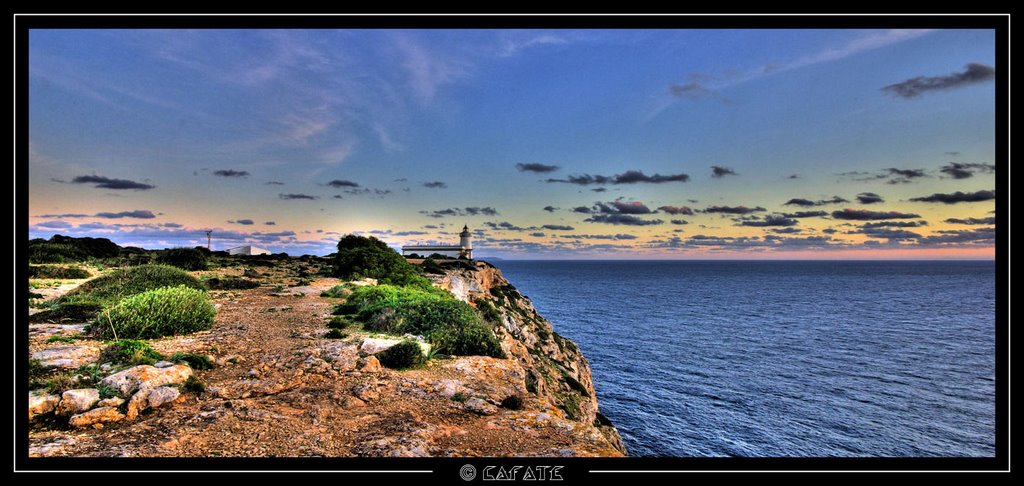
(782, 358)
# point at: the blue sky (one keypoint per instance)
(148, 137)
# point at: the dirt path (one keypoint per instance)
(280, 389)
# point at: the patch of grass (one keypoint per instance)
(184, 258)
(512, 402)
(336, 334)
(130, 352)
(109, 289)
(60, 339)
(404, 355)
(192, 384)
(195, 361)
(107, 391)
(231, 283)
(156, 313)
(460, 397)
(338, 322)
(337, 292)
(60, 382)
(55, 271)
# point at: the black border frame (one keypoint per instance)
(573, 468)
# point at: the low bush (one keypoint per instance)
(338, 291)
(59, 249)
(157, 313)
(406, 354)
(195, 361)
(184, 258)
(54, 271)
(338, 322)
(192, 384)
(231, 283)
(488, 310)
(467, 339)
(123, 282)
(335, 333)
(69, 311)
(452, 326)
(430, 266)
(130, 352)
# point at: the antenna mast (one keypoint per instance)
(208, 233)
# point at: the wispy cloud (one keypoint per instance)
(110, 183)
(973, 73)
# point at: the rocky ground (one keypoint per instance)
(279, 388)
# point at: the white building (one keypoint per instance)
(248, 250)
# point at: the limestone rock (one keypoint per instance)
(67, 356)
(110, 402)
(77, 401)
(366, 392)
(480, 406)
(376, 345)
(163, 364)
(151, 398)
(40, 403)
(96, 416)
(131, 380)
(370, 365)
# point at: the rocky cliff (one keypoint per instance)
(283, 386)
(555, 369)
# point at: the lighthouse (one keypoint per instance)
(465, 243)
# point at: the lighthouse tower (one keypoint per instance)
(465, 243)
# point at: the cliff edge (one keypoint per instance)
(556, 370)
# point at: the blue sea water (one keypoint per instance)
(793, 358)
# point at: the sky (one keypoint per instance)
(547, 144)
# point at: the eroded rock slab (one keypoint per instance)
(131, 380)
(67, 356)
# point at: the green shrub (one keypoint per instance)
(430, 266)
(60, 339)
(123, 282)
(231, 283)
(68, 311)
(193, 385)
(406, 354)
(336, 292)
(468, 339)
(59, 249)
(460, 397)
(130, 352)
(338, 322)
(488, 310)
(157, 313)
(54, 271)
(54, 253)
(184, 258)
(512, 402)
(335, 333)
(365, 256)
(453, 326)
(195, 361)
